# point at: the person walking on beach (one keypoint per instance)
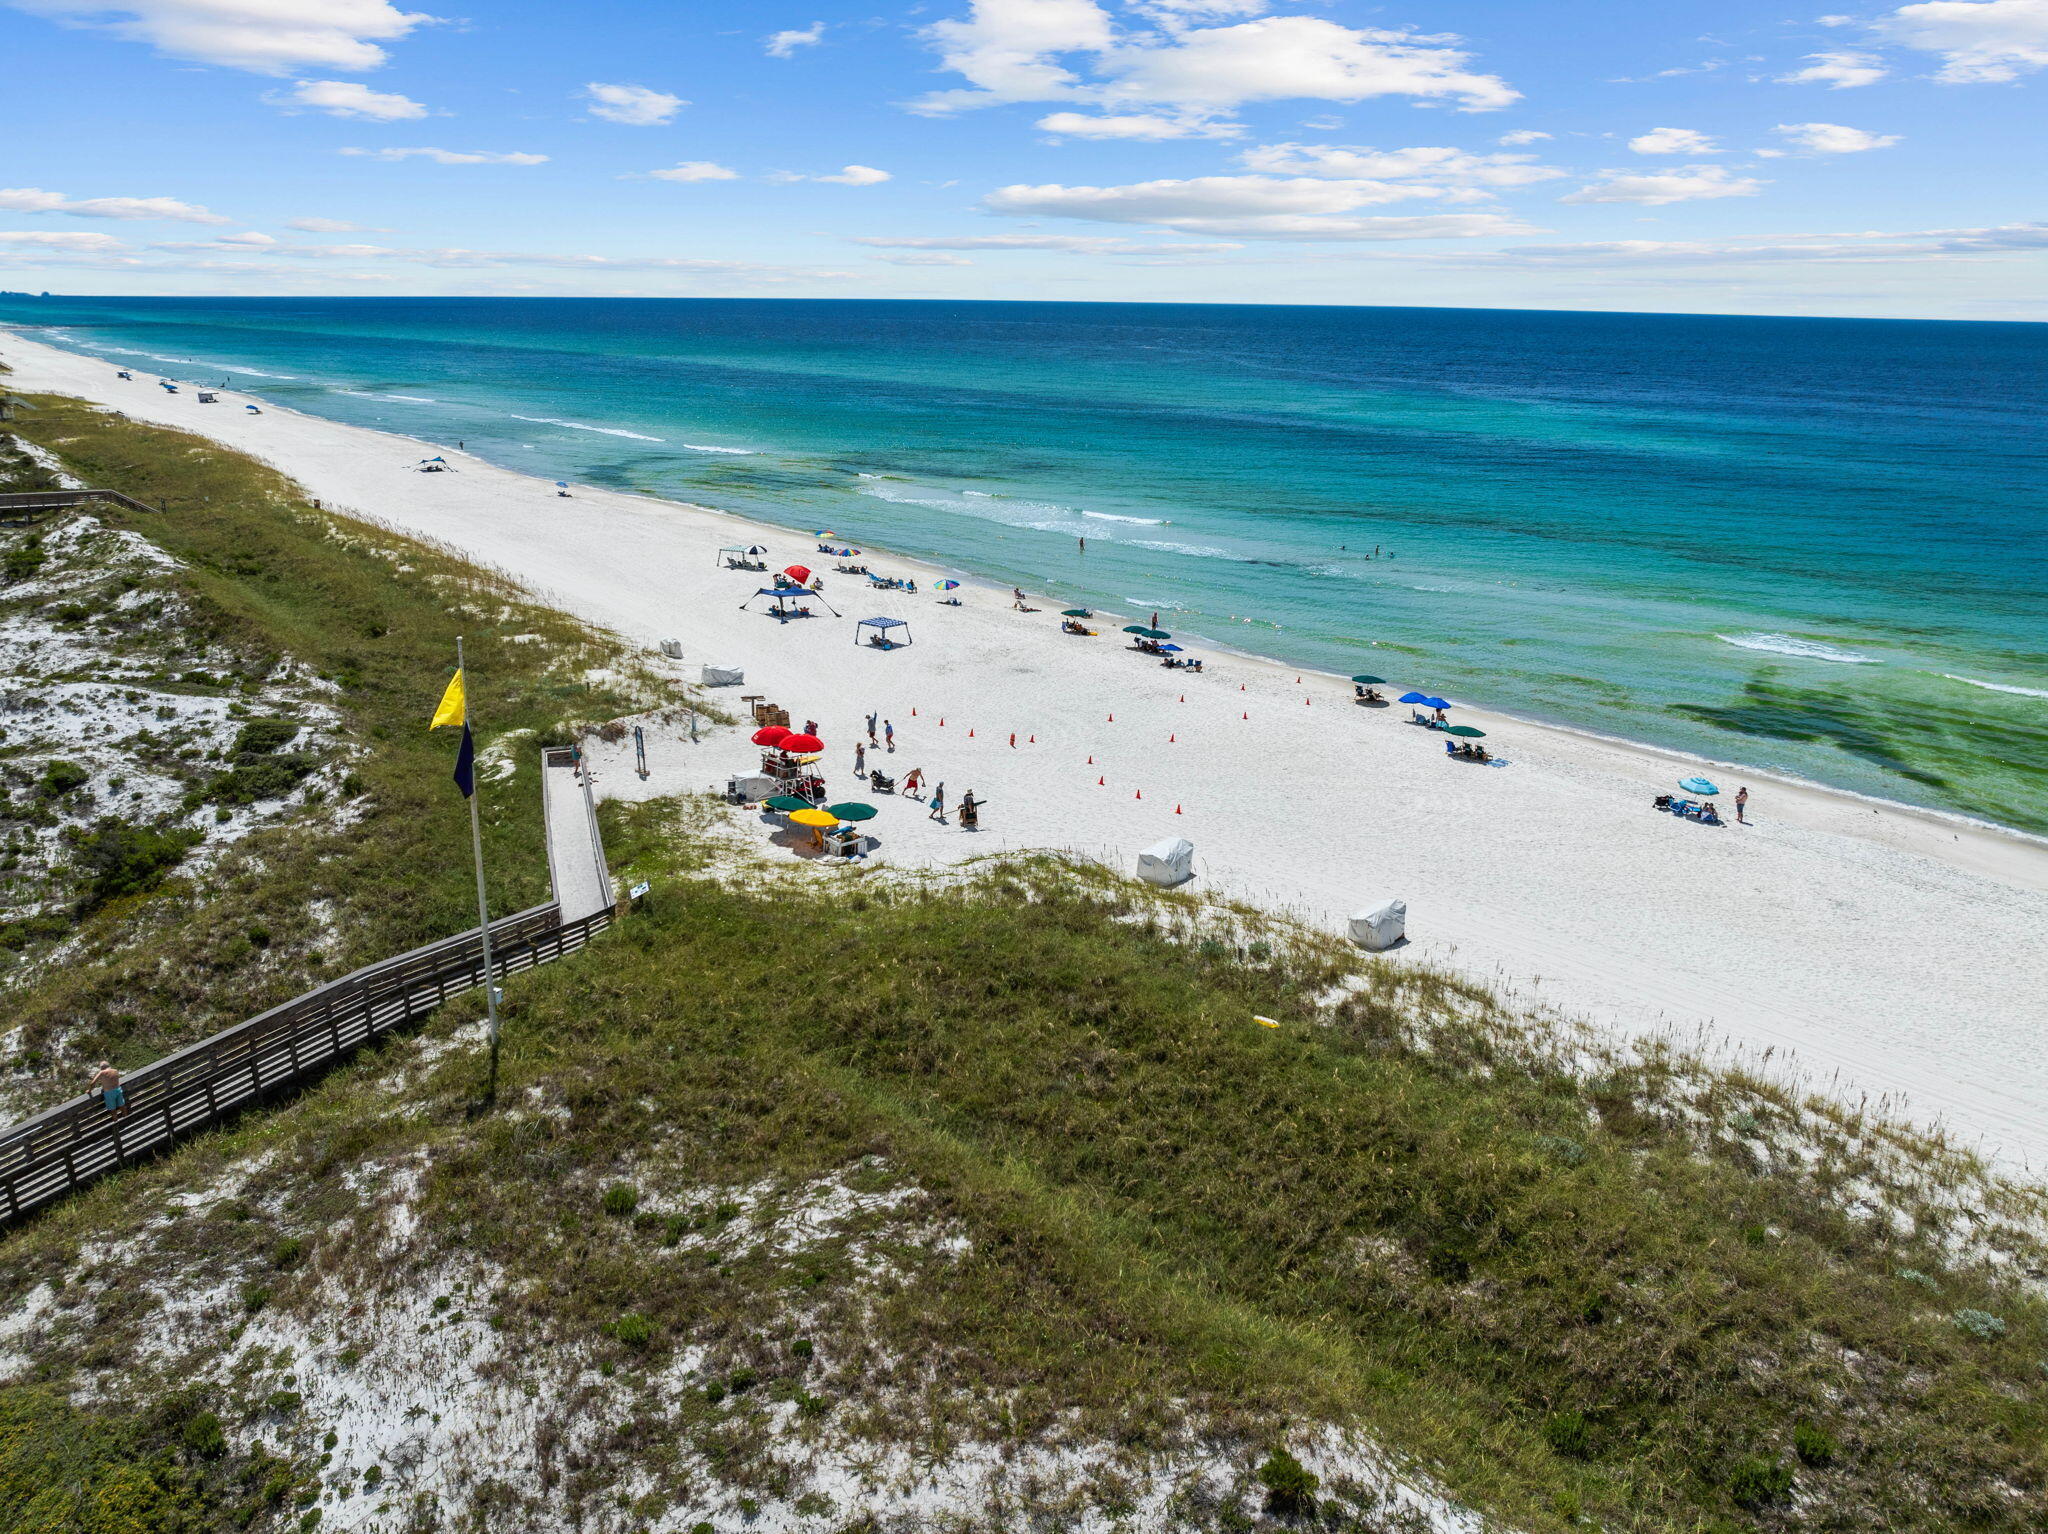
(889, 735)
(871, 729)
(860, 759)
(913, 782)
(1741, 804)
(107, 1082)
(938, 803)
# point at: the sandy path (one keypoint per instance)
(1899, 951)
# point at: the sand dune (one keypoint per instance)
(1896, 950)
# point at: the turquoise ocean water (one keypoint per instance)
(1815, 546)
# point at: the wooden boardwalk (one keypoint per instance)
(68, 1146)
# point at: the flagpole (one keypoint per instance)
(483, 908)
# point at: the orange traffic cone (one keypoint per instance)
(1139, 794)
(1112, 719)
(1098, 782)
(1183, 697)
(1176, 809)
(1171, 739)
(1244, 716)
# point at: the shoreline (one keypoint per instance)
(1882, 941)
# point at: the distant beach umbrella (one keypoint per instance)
(1373, 681)
(798, 572)
(852, 811)
(1414, 697)
(1077, 612)
(827, 532)
(561, 484)
(1697, 786)
(947, 585)
(1435, 703)
(788, 802)
(1144, 633)
(755, 548)
(1467, 731)
(772, 734)
(818, 818)
(801, 745)
(1172, 648)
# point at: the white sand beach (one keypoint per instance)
(1865, 947)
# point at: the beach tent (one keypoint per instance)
(735, 550)
(723, 676)
(1381, 925)
(1169, 862)
(791, 594)
(882, 627)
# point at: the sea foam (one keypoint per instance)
(1803, 649)
(609, 431)
(2024, 692)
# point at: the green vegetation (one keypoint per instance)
(272, 580)
(1000, 1160)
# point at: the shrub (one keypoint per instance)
(1290, 1487)
(1757, 1481)
(1979, 1323)
(203, 1436)
(286, 1401)
(264, 777)
(260, 737)
(1814, 1445)
(742, 1380)
(286, 1253)
(60, 778)
(635, 1331)
(124, 859)
(254, 1297)
(620, 1200)
(1566, 1433)
(802, 1347)
(24, 559)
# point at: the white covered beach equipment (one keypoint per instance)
(1168, 863)
(1380, 926)
(723, 676)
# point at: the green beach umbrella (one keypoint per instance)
(788, 802)
(1465, 730)
(1077, 612)
(1144, 633)
(852, 811)
(1370, 681)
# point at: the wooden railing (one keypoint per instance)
(19, 504)
(70, 1145)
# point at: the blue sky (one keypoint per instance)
(1727, 158)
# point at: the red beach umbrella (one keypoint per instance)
(771, 735)
(798, 572)
(800, 745)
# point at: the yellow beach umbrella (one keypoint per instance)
(821, 818)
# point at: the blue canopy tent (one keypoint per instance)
(881, 639)
(783, 594)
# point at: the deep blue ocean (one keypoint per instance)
(1819, 546)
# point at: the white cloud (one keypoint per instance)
(448, 156)
(31, 199)
(327, 226)
(782, 44)
(1838, 71)
(1673, 141)
(271, 37)
(928, 258)
(1862, 248)
(59, 239)
(1833, 138)
(696, 170)
(848, 175)
(348, 98)
(1653, 189)
(1522, 136)
(634, 105)
(1259, 206)
(1135, 125)
(1077, 244)
(1430, 166)
(1978, 41)
(1035, 50)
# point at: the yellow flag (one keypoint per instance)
(453, 709)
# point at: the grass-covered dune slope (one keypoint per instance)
(822, 1199)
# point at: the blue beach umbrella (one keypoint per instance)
(1697, 786)
(1434, 703)
(1414, 697)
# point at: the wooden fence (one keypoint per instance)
(25, 505)
(68, 1146)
